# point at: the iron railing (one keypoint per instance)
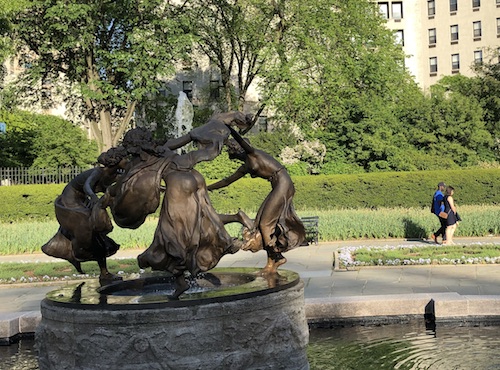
(27, 175)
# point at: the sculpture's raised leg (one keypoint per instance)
(240, 217)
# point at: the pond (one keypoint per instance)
(403, 346)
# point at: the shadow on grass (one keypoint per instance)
(413, 230)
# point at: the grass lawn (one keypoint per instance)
(26, 272)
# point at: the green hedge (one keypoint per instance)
(372, 190)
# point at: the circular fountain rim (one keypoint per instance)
(88, 296)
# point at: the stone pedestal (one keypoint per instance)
(263, 329)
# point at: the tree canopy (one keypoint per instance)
(43, 141)
(331, 77)
(111, 54)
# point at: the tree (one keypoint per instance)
(111, 54)
(460, 127)
(338, 74)
(486, 88)
(7, 8)
(236, 36)
(42, 141)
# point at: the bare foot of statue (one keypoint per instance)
(107, 278)
(181, 286)
(280, 261)
(272, 266)
(274, 260)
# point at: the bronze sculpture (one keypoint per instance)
(82, 235)
(190, 236)
(276, 228)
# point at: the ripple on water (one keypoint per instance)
(408, 346)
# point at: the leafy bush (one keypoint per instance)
(43, 141)
(367, 190)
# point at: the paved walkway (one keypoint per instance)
(315, 264)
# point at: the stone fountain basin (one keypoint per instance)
(228, 319)
(218, 285)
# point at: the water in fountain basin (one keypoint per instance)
(408, 346)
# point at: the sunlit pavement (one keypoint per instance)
(323, 282)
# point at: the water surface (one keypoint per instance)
(409, 346)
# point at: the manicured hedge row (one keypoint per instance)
(372, 190)
(385, 189)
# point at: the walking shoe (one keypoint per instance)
(434, 237)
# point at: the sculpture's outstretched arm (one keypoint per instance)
(244, 144)
(176, 143)
(238, 174)
(91, 183)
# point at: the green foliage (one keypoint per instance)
(59, 143)
(112, 54)
(395, 189)
(43, 141)
(436, 254)
(28, 202)
(335, 224)
(273, 142)
(354, 191)
(16, 143)
(157, 114)
(236, 36)
(218, 168)
(298, 169)
(39, 272)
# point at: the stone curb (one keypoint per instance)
(356, 310)
(16, 324)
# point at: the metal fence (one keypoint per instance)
(26, 175)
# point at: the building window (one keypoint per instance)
(400, 39)
(498, 26)
(432, 36)
(384, 9)
(214, 89)
(478, 56)
(397, 10)
(431, 8)
(477, 29)
(262, 123)
(453, 6)
(187, 88)
(455, 62)
(454, 32)
(476, 3)
(433, 64)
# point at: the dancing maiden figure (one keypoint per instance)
(277, 228)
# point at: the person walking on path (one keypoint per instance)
(451, 210)
(437, 208)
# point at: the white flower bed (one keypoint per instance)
(345, 255)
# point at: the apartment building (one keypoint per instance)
(443, 37)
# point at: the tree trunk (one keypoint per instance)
(105, 126)
(125, 123)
